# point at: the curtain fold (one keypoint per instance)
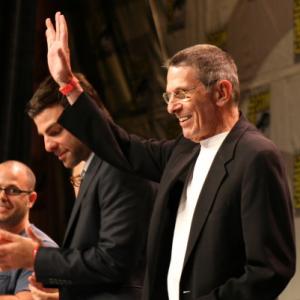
(17, 45)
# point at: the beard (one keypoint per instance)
(13, 219)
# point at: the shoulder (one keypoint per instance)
(245, 135)
(255, 141)
(46, 240)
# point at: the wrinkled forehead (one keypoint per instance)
(181, 77)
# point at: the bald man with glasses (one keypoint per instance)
(17, 197)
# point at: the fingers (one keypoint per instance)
(58, 56)
(38, 290)
(36, 293)
(57, 25)
(34, 283)
(16, 251)
(59, 33)
(5, 257)
(6, 236)
(32, 279)
(63, 31)
(50, 33)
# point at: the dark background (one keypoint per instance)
(115, 44)
(120, 45)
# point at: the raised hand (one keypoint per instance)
(58, 50)
(59, 57)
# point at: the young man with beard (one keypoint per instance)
(102, 255)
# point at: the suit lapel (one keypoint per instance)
(172, 183)
(182, 166)
(206, 199)
(88, 177)
(178, 171)
(214, 180)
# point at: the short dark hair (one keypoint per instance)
(211, 64)
(47, 95)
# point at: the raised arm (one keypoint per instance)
(59, 57)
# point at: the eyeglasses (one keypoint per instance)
(180, 95)
(13, 191)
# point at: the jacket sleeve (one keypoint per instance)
(124, 207)
(113, 144)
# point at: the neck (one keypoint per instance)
(229, 119)
(87, 155)
(18, 228)
(225, 121)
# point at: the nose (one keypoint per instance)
(50, 144)
(2, 193)
(173, 106)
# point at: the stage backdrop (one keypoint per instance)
(264, 38)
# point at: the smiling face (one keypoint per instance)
(14, 209)
(69, 150)
(198, 115)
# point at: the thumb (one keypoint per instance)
(32, 235)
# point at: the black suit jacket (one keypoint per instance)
(102, 253)
(241, 243)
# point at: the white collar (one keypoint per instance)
(214, 141)
(87, 164)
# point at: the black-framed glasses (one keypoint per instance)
(180, 95)
(13, 191)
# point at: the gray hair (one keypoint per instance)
(211, 63)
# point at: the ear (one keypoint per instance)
(223, 92)
(32, 199)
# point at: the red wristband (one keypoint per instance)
(68, 88)
(35, 250)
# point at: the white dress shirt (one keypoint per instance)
(86, 165)
(188, 201)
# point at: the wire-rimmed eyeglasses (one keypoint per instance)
(13, 191)
(183, 95)
(180, 95)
